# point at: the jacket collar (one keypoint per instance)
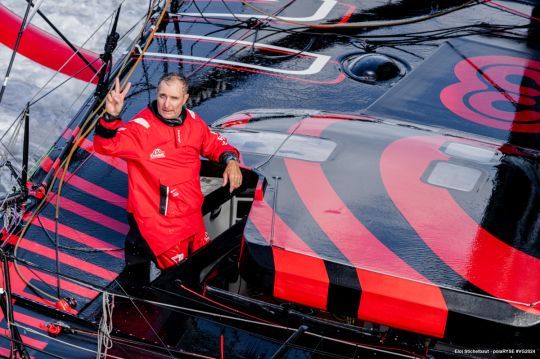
(169, 122)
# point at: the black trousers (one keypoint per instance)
(138, 256)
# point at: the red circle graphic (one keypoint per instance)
(484, 81)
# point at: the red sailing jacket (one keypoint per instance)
(164, 192)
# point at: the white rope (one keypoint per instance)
(49, 338)
(34, 11)
(104, 341)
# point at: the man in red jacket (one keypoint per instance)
(162, 145)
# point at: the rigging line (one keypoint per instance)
(8, 151)
(34, 10)
(14, 53)
(61, 83)
(194, 2)
(16, 130)
(295, 30)
(231, 12)
(12, 124)
(258, 26)
(242, 37)
(446, 34)
(420, 41)
(509, 10)
(218, 305)
(31, 330)
(315, 349)
(145, 319)
(223, 27)
(59, 33)
(275, 326)
(258, 168)
(181, 352)
(23, 231)
(200, 312)
(277, 57)
(140, 345)
(29, 346)
(39, 277)
(73, 55)
(134, 344)
(66, 277)
(79, 249)
(405, 51)
(82, 69)
(12, 225)
(105, 326)
(217, 45)
(366, 24)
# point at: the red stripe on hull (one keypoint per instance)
(402, 303)
(79, 237)
(51, 280)
(312, 126)
(341, 225)
(91, 214)
(87, 186)
(88, 146)
(300, 278)
(45, 49)
(478, 256)
(421, 303)
(18, 286)
(68, 260)
(310, 288)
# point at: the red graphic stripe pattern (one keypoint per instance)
(299, 275)
(79, 237)
(87, 186)
(478, 256)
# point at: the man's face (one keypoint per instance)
(171, 96)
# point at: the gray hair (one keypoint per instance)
(171, 76)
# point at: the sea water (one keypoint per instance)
(28, 80)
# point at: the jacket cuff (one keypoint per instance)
(225, 157)
(107, 129)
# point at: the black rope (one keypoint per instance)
(65, 39)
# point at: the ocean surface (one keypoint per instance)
(77, 20)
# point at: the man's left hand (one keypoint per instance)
(232, 175)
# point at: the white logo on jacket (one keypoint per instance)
(177, 258)
(157, 153)
(220, 138)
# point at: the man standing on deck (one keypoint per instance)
(162, 145)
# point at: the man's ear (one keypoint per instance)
(185, 99)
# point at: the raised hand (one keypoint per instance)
(114, 101)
